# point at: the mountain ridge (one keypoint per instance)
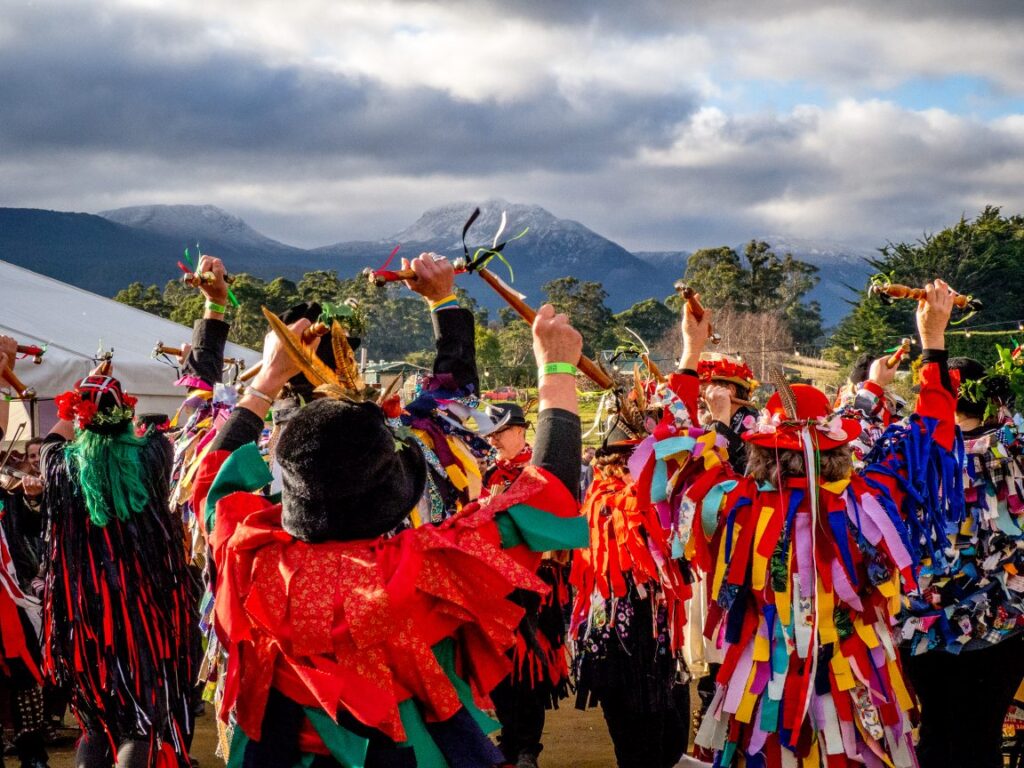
(96, 251)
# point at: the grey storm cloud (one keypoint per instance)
(103, 87)
(656, 16)
(108, 103)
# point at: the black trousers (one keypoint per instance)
(648, 739)
(964, 699)
(520, 710)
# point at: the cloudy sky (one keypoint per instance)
(662, 125)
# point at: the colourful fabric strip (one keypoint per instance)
(541, 531)
(243, 470)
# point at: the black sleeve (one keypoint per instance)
(558, 446)
(455, 340)
(737, 448)
(941, 358)
(243, 426)
(206, 359)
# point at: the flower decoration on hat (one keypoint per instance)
(96, 400)
(797, 413)
(725, 368)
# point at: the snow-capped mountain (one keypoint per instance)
(216, 230)
(551, 248)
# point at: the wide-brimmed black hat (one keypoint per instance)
(510, 414)
(344, 475)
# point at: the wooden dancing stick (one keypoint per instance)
(381, 277)
(315, 331)
(894, 359)
(195, 279)
(689, 295)
(898, 291)
(31, 350)
(587, 366)
(23, 392)
(161, 349)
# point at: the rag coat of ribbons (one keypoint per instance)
(806, 578)
(972, 597)
(632, 524)
(374, 656)
(632, 583)
(118, 606)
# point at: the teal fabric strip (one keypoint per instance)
(1005, 522)
(243, 470)
(236, 752)
(727, 754)
(673, 445)
(418, 737)
(678, 548)
(345, 747)
(444, 652)
(659, 482)
(541, 531)
(509, 532)
(769, 714)
(712, 502)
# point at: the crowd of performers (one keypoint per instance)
(352, 578)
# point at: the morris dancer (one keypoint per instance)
(365, 673)
(632, 586)
(963, 629)
(540, 671)
(119, 608)
(806, 561)
(20, 626)
(727, 384)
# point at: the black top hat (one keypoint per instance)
(344, 475)
(513, 412)
(311, 310)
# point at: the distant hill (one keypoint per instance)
(84, 250)
(104, 253)
(552, 248)
(215, 229)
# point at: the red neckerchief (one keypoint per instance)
(507, 471)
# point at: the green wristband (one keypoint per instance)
(550, 368)
(214, 307)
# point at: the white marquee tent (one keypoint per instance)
(35, 309)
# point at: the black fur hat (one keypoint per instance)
(344, 476)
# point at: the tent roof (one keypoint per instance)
(35, 309)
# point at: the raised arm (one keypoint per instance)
(205, 359)
(684, 382)
(937, 399)
(454, 329)
(558, 443)
(246, 422)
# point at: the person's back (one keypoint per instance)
(341, 638)
(117, 604)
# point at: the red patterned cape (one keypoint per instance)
(352, 625)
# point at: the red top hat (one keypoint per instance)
(778, 429)
(722, 368)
